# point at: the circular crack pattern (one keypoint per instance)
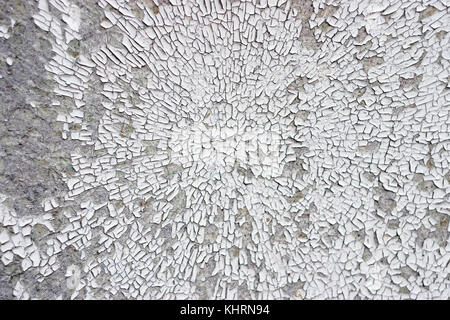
(247, 149)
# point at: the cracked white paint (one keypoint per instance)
(242, 162)
(16, 242)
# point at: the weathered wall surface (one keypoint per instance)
(224, 149)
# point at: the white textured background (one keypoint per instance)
(225, 149)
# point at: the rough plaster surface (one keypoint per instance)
(224, 149)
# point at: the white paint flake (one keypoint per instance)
(252, 150)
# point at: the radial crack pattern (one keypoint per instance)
(246, 150)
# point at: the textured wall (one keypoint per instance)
(217, 149)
